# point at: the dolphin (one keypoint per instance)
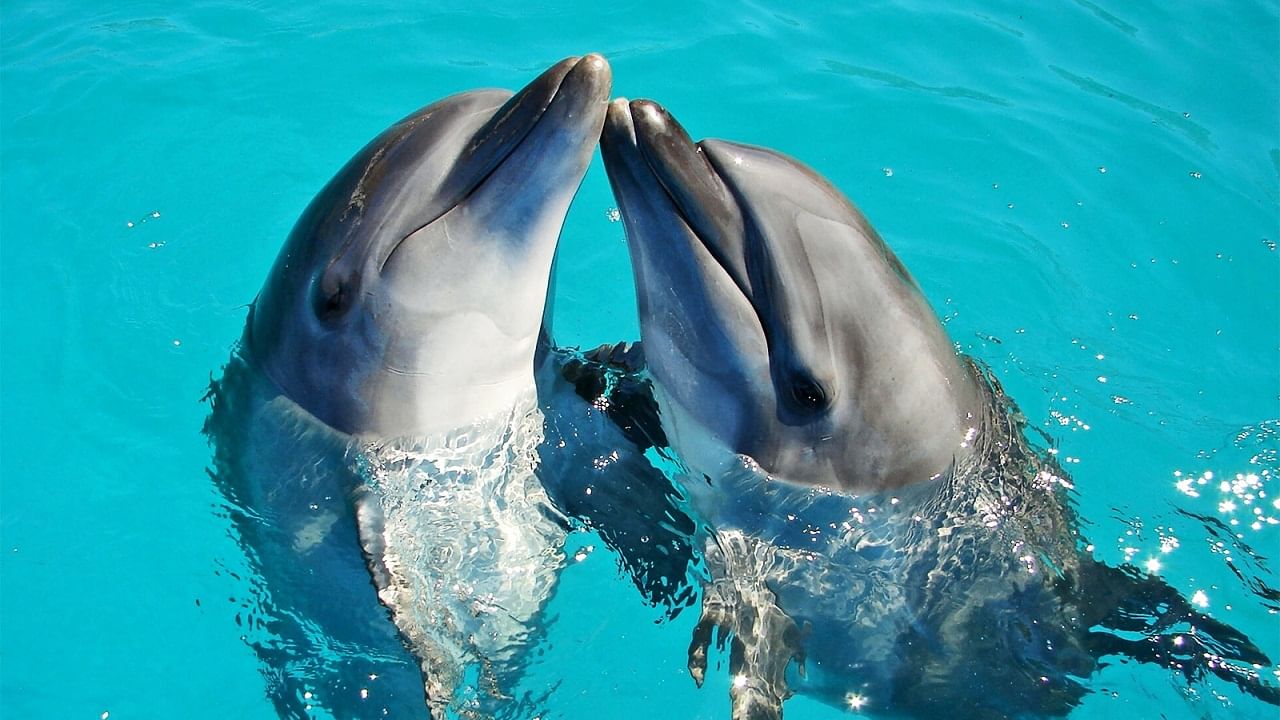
(380, 418)
(880, 533)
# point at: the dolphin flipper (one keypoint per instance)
(1175, 634)
(632, 505)
(636, 516)
(737, 603)
(613, 372)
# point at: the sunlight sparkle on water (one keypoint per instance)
(1243, 492)
(855, 701)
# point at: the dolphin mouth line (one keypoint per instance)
(462, 198)
(678, 202)
(501, 118)
(715, 252)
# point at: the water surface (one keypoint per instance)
(1088, 192)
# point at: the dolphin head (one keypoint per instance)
(409, 296)
(776, 322)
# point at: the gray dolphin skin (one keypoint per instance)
(380, 417)
(755, 278)
(879, 533)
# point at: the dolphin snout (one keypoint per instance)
(589, 80)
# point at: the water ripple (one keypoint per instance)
(1110, 19)
(897, 81)
(1178, 121)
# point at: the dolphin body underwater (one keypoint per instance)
(881, 536)
(394, 412)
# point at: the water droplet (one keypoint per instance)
(888, 172)
(1102, 169)
(1195, 174)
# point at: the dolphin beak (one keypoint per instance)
(588, 81)
(649, 155)
(497, 138)
(683, 170)
(643, 143)
(627, 169)
(575, 81)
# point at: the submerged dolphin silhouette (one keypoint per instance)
(877, 513)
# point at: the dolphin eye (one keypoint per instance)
(333, 299)
(808, 395)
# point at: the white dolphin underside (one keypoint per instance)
(464, 546)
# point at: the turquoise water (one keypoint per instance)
(1088, 193)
